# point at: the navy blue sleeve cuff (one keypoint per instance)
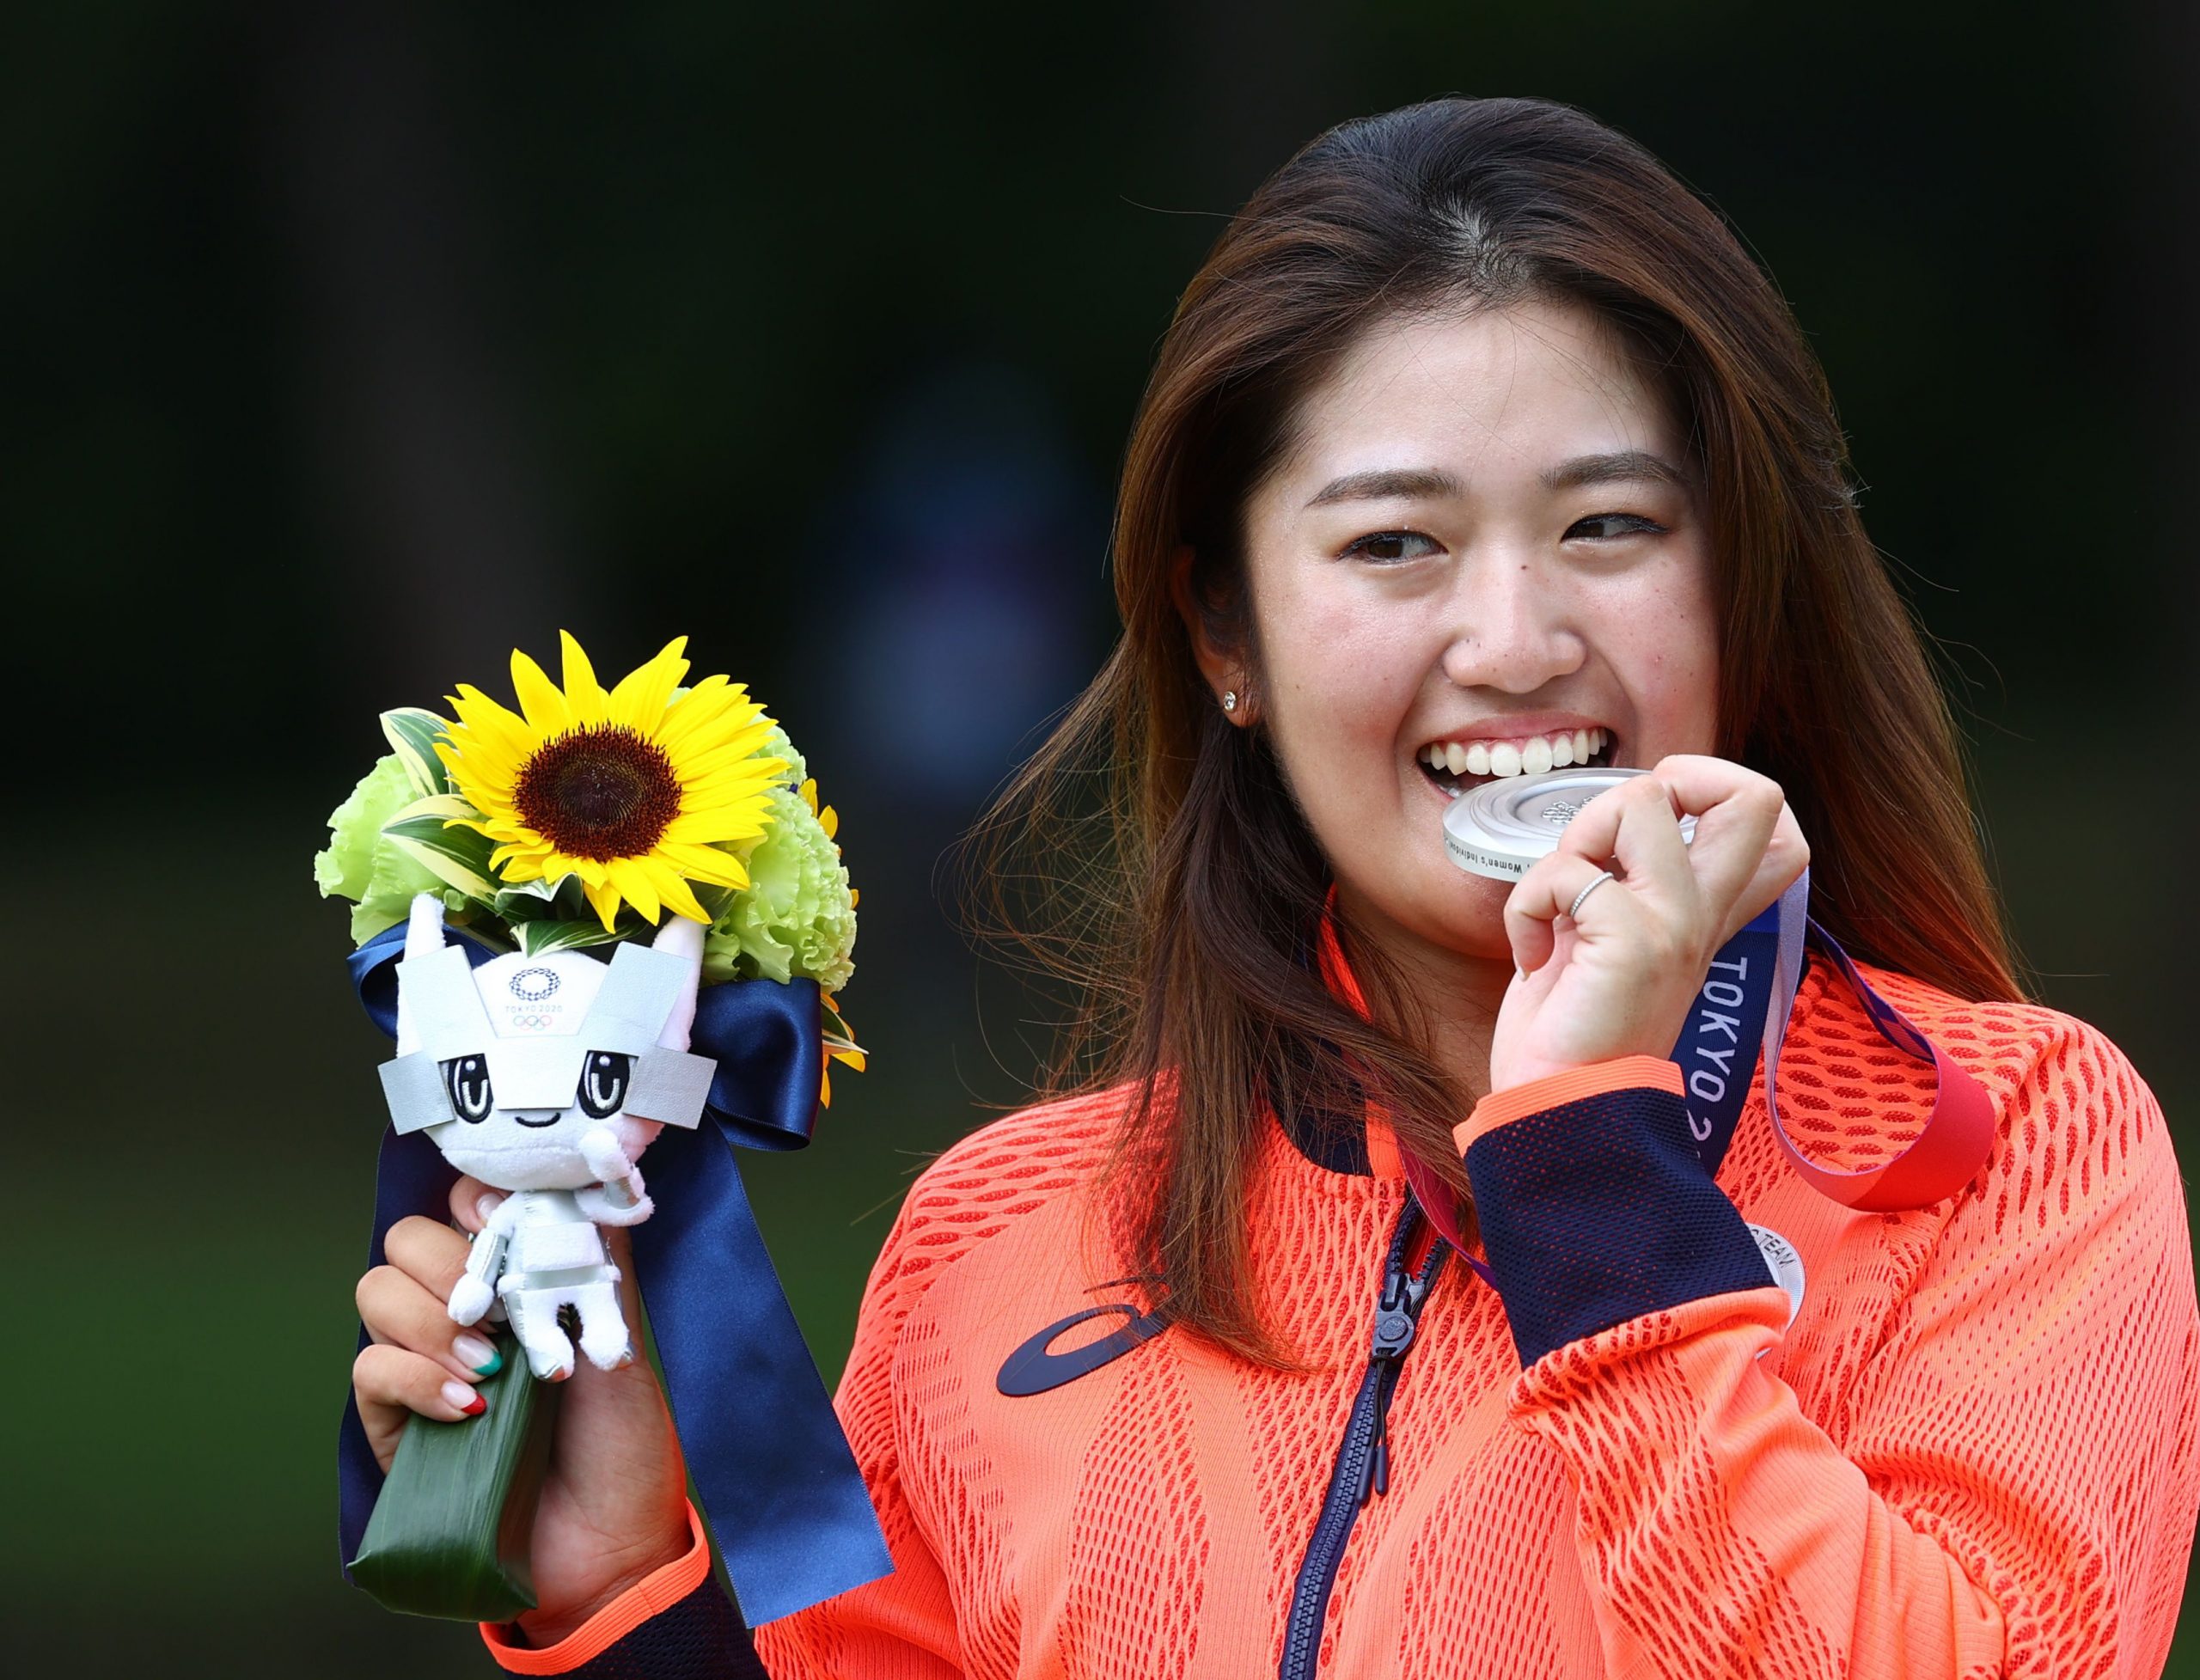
(1599, 1211)
(700, 1637)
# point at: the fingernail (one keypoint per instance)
(456, 1393)
(487, 1206)
(478, 1356)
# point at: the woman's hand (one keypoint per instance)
(1619, 980)
(613, 1506)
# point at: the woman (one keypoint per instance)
(1477, 446)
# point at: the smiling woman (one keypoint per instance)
(1544, 574)
(1478, 448)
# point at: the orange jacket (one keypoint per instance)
(1972, 1454)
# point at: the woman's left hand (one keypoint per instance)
(1618, 981)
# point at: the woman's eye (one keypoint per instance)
(1616, 524)
(1391, 547)
(603, 1083)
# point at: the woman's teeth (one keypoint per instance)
(1531, 757)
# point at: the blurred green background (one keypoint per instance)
(349, 346)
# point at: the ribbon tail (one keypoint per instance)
(779, 1483)
(1956, 1141)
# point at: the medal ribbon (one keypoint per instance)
(778, 1483)
(1739, 1017)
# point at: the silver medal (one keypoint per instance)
(1502, 827)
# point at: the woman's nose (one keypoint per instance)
(1509, 630)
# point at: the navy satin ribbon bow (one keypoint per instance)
(779, 1484)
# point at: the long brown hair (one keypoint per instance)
(1150, 856)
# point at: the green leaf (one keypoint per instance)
(445, 805)
(531, 902)
(451, 1532)
(541, 938)
(458, 856)
(412, 734)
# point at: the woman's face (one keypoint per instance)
(1485, 548)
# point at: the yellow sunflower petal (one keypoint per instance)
(675, 892)
(698, 760)
(750, 803)
(592, 873)
(604, 900)
(482, 717)
(711, 704)
(704, 693)
(743, 798)
(585, 695)
(639, 700)
(486, 743)
(545, 707)
(456, 764)
(705, 863)
(733, 819)
(630, 877)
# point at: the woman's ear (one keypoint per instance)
(1223, 670)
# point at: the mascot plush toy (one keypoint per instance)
(547, 1077)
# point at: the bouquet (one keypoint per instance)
(495, 859)
(580, 819)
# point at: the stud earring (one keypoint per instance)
(1230, 699)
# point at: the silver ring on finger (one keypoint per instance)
(1574, 910)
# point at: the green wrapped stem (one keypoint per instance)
(450, 1532)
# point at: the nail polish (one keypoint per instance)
(478, 1356)
(457, 1394)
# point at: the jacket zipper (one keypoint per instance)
(1363, 1466)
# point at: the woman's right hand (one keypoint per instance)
(613, 1503)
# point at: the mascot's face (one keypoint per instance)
(529, 1054)
(520, 1103)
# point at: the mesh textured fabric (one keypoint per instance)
(1973, 1453)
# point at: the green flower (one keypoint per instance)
(776, 745)
(360, 865)
(797, 916)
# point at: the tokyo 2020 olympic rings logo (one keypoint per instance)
(533, 985)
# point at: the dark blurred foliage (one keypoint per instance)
(349, 346)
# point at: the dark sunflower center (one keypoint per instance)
(600, 792)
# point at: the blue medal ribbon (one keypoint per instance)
(778, 1481)
(1728, 1024)
(1740, 1017)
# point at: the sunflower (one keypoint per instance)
(636, 792)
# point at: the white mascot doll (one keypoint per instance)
(547, 1077)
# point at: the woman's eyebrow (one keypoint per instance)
(1622, 464)
(1384, 483)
